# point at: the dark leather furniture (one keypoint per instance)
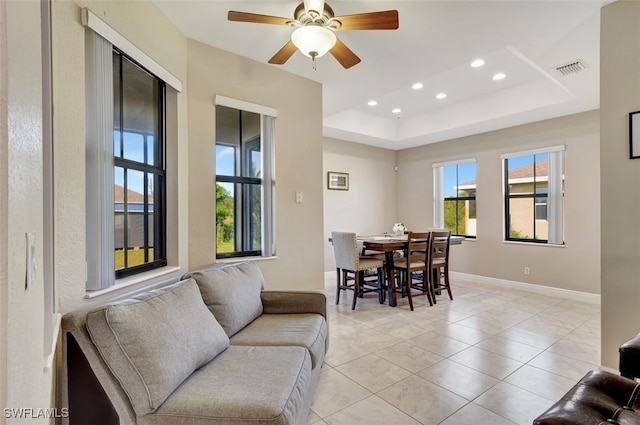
(602, 398)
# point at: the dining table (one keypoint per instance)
(389, 244)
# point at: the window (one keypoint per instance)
(534, 196)
(125, 156)
(455, 197)
(139, 175)
(244, 182)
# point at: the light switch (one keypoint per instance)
(298, 197)
(31, 260)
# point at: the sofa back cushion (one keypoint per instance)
(154, 341)
(232, 294)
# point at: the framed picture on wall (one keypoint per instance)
(634, 135)
(337, 181)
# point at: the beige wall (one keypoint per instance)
(369, 206)
(298, 158)
(573, 267)
(620, 197)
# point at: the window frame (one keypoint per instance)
(554, 196)
(439, 199)
(158, 171)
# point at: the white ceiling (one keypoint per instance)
(435, 44)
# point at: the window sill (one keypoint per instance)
(549, 245)
(134, 280)
(243, 259)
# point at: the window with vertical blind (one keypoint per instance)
(126, 228)
(245, 181)
(454, 199)
(534, 195)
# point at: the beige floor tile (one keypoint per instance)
(370, 411)
(462, 333)
(459, 379)
(401, 329)
(487, 362)
(539, 340)
(423, 400)
(438, 344)
(342, 351)
(313, 418)
(376, 340)
(409, 356)
(562, 365)
(580, 350)
(335, 392)
(513, 403)
(487, 326)
(372, 372)
(476, 415)
(508, 348)
(540, 382)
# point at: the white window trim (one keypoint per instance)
(555, 213)
(438, 189)
(245, 106)
(91, 20)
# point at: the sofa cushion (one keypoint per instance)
(153, 342)
(232, 294)
(308, 330)
(242, 386)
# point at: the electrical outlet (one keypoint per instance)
(527, 271)
(298, 197)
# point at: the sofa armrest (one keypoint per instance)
(630, 358)
(283, 302)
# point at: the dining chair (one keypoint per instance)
(439, 262)
(413, 266)
(347, 251)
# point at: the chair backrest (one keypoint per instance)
(417, 246)
(345, 250)
(439, 246)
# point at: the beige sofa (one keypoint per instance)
(213, 348)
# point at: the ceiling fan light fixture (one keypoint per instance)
(313, 41)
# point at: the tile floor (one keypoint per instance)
(491, 356)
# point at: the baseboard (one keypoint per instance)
(528, 287)
(522, 286)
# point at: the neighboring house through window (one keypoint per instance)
(534, 195)
(455, 197)
(244, 179)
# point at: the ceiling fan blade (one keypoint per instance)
(284, 54)
(344, 55)
(385, 20)
(255, 18)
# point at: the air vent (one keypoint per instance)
(571, 68)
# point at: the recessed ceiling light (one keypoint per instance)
(372, 103)
(417, 86)
(499, 76)
(477, 63)
(396, 110)
(441, 95)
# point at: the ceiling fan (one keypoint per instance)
(315, 25)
